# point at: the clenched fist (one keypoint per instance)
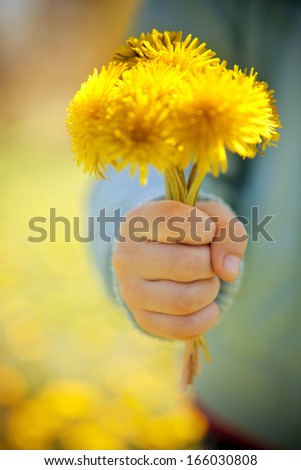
(169, 263)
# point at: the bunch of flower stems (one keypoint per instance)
(178, 189)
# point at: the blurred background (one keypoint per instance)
(74, 373)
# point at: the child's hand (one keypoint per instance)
(170, 285)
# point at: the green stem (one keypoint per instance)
(192, 176)
(180, 179)
(195, 188)
(183, 180)
(176, 187)
(203, 343)
(175, 194)
(168, 192)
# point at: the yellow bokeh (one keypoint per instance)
(74, 372)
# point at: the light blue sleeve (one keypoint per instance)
(114, 198)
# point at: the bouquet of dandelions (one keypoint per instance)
(171, 103)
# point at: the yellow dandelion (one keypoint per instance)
(132, 52)
(250, 80)
(128, 122)
(142, 128)
(167, 47)
(88, 112)
(221, 109)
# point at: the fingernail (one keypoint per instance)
(231, 264)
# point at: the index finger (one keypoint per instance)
(168, 222)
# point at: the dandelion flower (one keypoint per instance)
(221, 109)
(168, 48)
(88, 113)
(125, 120)
(141, 126)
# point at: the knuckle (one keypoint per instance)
(167, 208)
(204, 227)
(210, 226)
(175, 208)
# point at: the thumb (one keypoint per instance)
(230, 240)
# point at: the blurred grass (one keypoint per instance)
(74, 374)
